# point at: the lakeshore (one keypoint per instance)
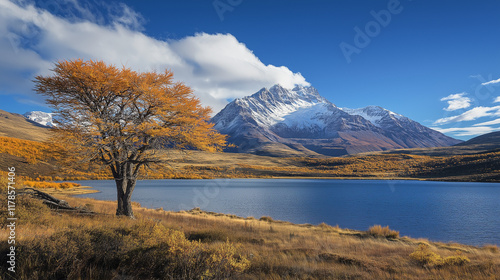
(254, 248)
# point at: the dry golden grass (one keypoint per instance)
(274, 249)
(385, 232)
(14, 125)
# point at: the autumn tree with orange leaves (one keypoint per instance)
(121, 118)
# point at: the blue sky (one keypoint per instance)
(437, 62)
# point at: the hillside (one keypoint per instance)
(17, 126)
(470, 161)
(487, 141)
(481, 144)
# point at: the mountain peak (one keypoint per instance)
(40, 118)
(299, 120)
(277, 87)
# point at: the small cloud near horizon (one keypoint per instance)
(457, 101)
(467, 131)
(471, 115)
(491, 82)
(460, 101)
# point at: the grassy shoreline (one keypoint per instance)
(71, 191)
(174, 244)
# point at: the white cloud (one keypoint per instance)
(497, 121)
(470, 115)
(491, 82)
(497, 100)
(457, 101)
(466, 131)
(128, 17)
(217, 66)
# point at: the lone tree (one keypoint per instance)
(121, 118)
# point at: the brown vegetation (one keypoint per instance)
(40, 161)
(379, 231)
(202, 245)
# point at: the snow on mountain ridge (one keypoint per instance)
(308, 116)
(279, 121)
(271, 106)
(374, 114)
(40, 118)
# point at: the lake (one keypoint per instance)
(467, 213)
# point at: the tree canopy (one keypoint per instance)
(120, 118)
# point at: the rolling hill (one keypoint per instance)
(17, 126)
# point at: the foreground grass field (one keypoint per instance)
(201, 245)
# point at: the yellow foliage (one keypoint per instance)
(43, 185)
(31, 151)
(457, 260)
(425, 257)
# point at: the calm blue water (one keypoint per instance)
(441, 211)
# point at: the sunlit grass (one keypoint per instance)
(161, 243)
(379, 231)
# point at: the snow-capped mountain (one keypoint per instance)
(299, 121)
(40, 118)
(375, 114)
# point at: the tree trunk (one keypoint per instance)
(125, 187)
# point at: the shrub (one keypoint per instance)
(208, 236)
(425, 257)
(379, 231)
(457, 260)
(145, 250)
(328, 227)
(266, 219)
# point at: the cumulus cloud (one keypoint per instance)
(457, 101)
(470, 115)
(466, 131)
(217, 66)
(497, 100)
(491, 82)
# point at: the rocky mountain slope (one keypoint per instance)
(300, 122)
